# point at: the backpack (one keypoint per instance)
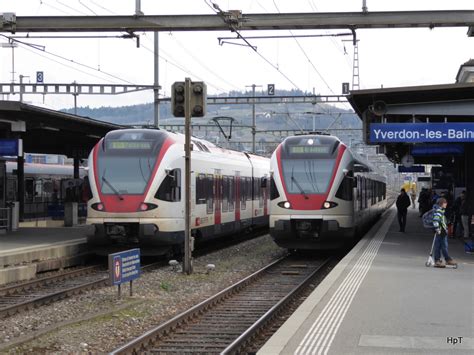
(427, 219)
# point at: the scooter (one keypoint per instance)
(431, 262)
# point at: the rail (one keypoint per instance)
(256, 299)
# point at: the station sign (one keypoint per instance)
(421, 132)
(411, 169)
(11, 147)
(124, 266)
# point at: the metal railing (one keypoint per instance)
(5, 219)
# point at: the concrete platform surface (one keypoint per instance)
(27, 251)
(33, 238)
(382, 299)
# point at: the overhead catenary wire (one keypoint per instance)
(65, 65)
(66, 59)
(71, 8)
(181, 67)
(200, 62)
(87, 7)
(218, 11)
(305, 54)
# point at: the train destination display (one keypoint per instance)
(305, 149)
(129, 145)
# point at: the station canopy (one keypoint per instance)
(48, 131)
(417, 107)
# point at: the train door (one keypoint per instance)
(265, 195)
(218, 201)
(193, 197)
(237, 198)
(3, 180)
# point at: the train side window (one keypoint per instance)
(201, 187)
(344, 192)
(363, 193)
(225, 194)
(243, 191)
(210, 193)
(260, 191)
(274, 194)
(359, 191)
(170, 188)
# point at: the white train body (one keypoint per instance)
(321, 195)
(137, 182)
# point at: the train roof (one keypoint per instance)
(199, 144)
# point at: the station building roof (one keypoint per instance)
(425, 95)
(51, 132)
(414, 104)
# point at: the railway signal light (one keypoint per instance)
(198, 99)
(177, 99)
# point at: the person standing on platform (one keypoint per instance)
(441, 239)
(413, 197)
(403, 202)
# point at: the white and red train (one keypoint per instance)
(322, 196)
(137, 183)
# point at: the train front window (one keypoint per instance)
(126, 161)
(307, 176)
(125, 175)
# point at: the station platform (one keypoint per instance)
(27, 251)
(382, 299)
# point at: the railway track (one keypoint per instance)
(27, 295)
(229, 321)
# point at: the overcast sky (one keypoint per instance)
(396, 57)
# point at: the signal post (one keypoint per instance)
(188, 99)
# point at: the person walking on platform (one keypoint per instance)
(403, 202)
(441, 229)
(413, 197)
(464, 212)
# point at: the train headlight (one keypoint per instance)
(329, 204)
(284, 204)
(98, 206)
(146, 207)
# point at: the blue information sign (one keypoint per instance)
(124, 266)
(411, 169)
(421, 132)
(10, 147)
(437, 149)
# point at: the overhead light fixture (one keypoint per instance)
(51, 128)
(93, 136)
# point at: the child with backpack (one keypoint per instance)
(441, 239)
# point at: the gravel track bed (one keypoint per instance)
(98, 322)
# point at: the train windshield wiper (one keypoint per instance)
(299, 186)
(112, 188)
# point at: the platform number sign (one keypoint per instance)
(345, 88)
(271, 89)
(39, 77)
